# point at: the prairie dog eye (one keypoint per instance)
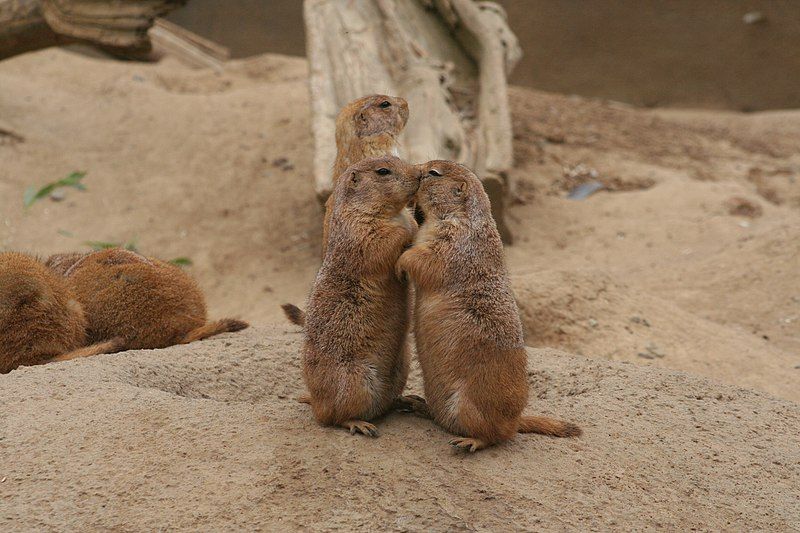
(434, 172)
(383, 171)
(385, 104)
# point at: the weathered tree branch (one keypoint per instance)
(27, 25)
(448, 58)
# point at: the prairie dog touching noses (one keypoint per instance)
(466, 322)
(355, 356)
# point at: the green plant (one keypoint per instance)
(131, 245)
(181, 261)
(102, 245)
(32, 194)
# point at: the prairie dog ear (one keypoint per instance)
(354, 177)
(460, 188)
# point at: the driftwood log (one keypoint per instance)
(449, 58)
(27, 25)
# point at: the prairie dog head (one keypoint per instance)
(381, 185)
(24, 287)
(450, 190)
(371, 115)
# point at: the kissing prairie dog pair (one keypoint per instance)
(466, 322)
(143, 302)
(41, 319)
(355, 355)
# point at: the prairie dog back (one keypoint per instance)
(40, 317)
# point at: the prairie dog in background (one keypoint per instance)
(147, 302)
(41, 319)
(366, 127)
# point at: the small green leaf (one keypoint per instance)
(65, 233)
(181, 261)
(100, 245)
(73, 180)
(30, 196)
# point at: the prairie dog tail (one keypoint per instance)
(224, 325)
(294, 314)
(110, 346)
(548, 426)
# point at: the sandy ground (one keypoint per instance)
(689, 262)
(208, 437)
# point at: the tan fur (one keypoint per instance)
(466, 322)
(114, 345)
(40, 317)
(364, 130)
(294, 314)
(355, 357)
(147, 302)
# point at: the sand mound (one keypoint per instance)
(689, 257)
(588, 312)
(208, 436)
(700, 225)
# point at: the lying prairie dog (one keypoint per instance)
(147, 302)
(355, 356)
(41, 319)
(466, 322)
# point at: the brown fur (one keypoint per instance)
(467, 326)
(294, 314)
(111, 346)
(147, 302)
(364, 129)
(40, 317)
(355, 357)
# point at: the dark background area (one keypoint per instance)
(697, 53)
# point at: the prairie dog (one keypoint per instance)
(355, 356)
(366, 127)
(466, 322)
(41, 319)
(147, 302)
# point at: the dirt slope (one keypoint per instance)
(687, 262)
(208, 436)
(700, 226)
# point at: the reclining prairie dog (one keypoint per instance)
(466, 322)
(355, 356)
(366, 127)
(147, 302)
(40, 317)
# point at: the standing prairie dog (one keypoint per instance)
(355, 356)
(366, 127)
(40, 317)
(147, 302)
(466, 322)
